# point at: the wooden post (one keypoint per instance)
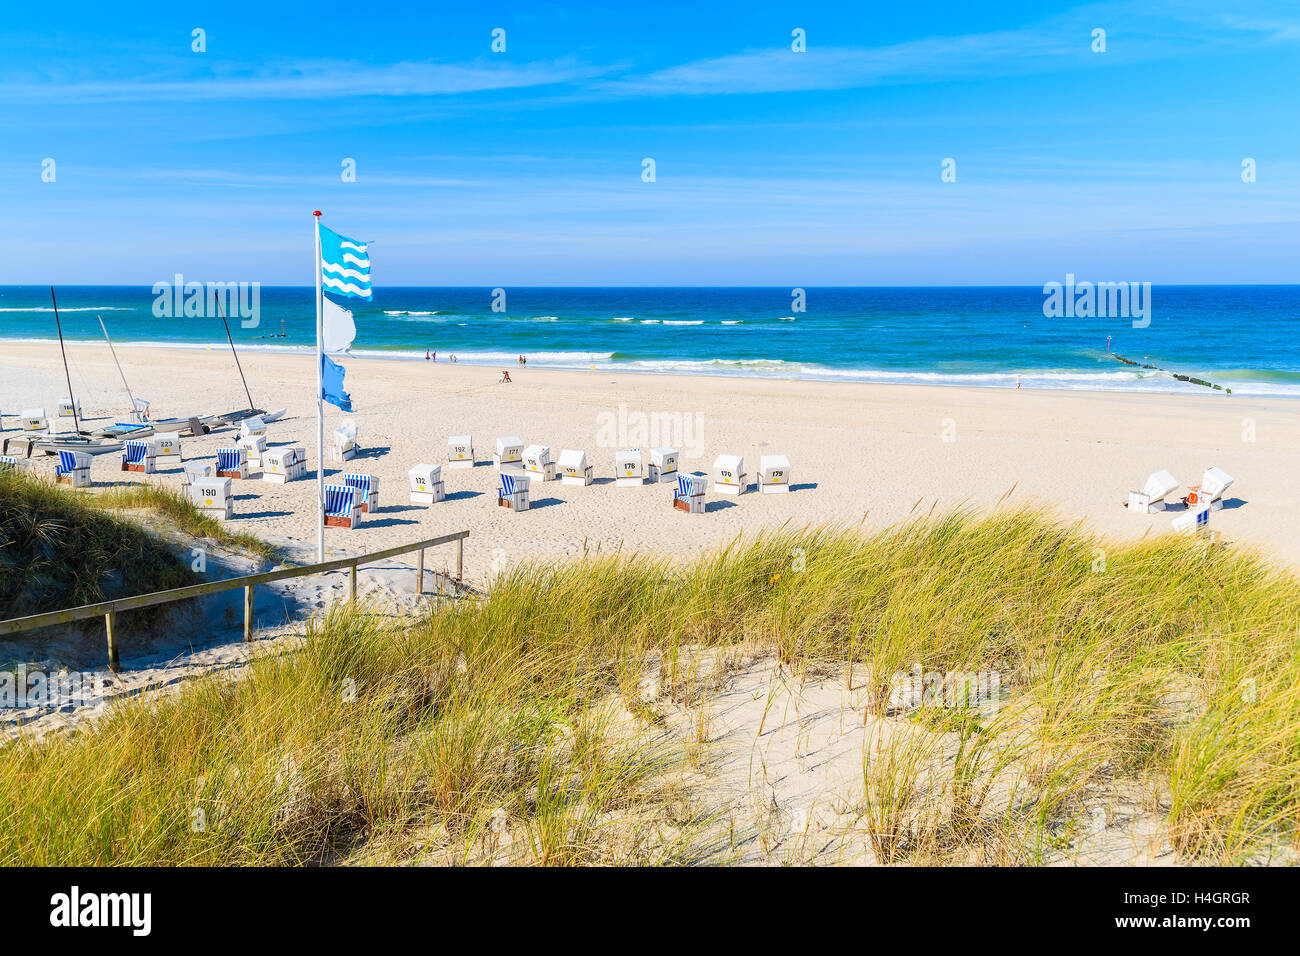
(248, 612)
(419, 574)
(113, 662)
(460, 561)
(352, 583)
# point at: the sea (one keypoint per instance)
(1245, 338)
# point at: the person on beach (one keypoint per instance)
(426, 355)
(523, 360)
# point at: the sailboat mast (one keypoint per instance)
(76, 423)
(222, 312)
(130, 416)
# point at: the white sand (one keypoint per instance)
(856, 450)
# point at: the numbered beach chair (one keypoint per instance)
(663, 465)
(232, 463)
(773, 474)
(1210, 491)
(167, 448)
(367, 488)
(628, 468)
(1152, 496)
(252, 426)
(460, 451)
(509, 454)
(254, 448)
(729, 476)
(195, 471)
(537, 463)
(34, 420)
(344, 446)
(573, 468)
(211, 495)
(688, 495)
(282, 465)
(73, 469)
(427, 487)
(140, 455)
(513, 493)
(69, 409)
(342, 507)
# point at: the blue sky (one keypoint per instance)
(773, 167)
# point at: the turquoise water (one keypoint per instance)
(1244, 337)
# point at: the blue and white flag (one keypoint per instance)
(331, 384)
(344, 264)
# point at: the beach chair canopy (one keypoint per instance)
(229, 459)
(573, 461)
(340, 501)
(1159, 484)
(428, 474)
(1215, 481)
(511, 484)
(690, 485)
(363, 483)
(664, 458)
(509, 446)
(136, 452)
(71, 461)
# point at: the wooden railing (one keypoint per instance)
(108, 609)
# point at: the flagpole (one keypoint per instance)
(320, 408)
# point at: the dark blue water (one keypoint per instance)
(1242, 336)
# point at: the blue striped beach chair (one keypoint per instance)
(232, 463)
(688, 496)
(10, 463)
(368, 487)
(73, 469)
(342, 506)
(138, 456)
(513, 493)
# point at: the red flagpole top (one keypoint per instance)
(316, 213)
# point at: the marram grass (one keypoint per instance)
(1169, 666)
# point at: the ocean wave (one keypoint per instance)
(404, 312)
(683, 321)
(74, 308)
(621, 318)
(732, 322)
(651, 321)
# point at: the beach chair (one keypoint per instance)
(1210, 491)
(140, 455)
(509, 454)
(729, 476)
(193, 471)
(367, 488)
(282, 465)
(513, 493)
(73, 469)
(344, 447)
(663, 465)
(232, 463)
(427, 487)
(211, 495)
(342, 507)
(254, 448)
(139, 411)
(1196, 518)
(167, 448)
(773, 474)
(69, 409)
(10, 463)
(460, 451)
(688, 495)
(628, 468)
(252, 426)
(1152, 496)
(573, 468)
(34, 420)
(537, 463)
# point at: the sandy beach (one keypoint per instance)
(859, 452)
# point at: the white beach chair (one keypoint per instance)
(509, 454)
(140, 455)
(628, 468)
(232, 463)
(167, 448)
(427, 487)
(193, 471)
(344, 447)
(368, 488)
(139, 411)
(1210, 491)
(663, 465)
(573, 468)
(513, 493)
(69, 409)
(253, 426)
(11, 463)
(1152, 496)
(688, 495)
(537, 463)
(34, 420)
(254, 448)
(460, 451)
(1196, 518)
(773, 474)
(73, 469)
(283, 465)
(211, 495)
(342, 507)
(729, 476)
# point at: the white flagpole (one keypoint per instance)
(320, 408)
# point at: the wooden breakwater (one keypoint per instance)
(1191, 379)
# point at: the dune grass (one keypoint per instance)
(495, 729)
(181, 513)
